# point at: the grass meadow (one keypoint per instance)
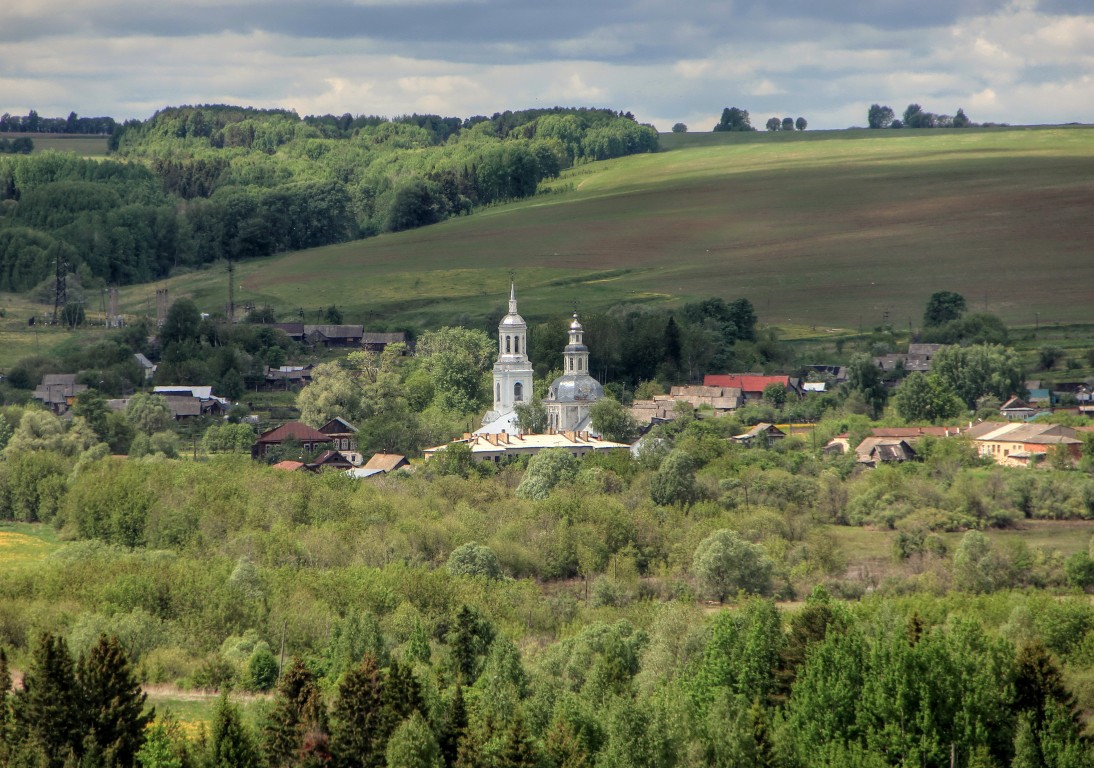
(837, 229)
(81, 144)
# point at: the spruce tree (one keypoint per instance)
(298, 715)
(518, 751)
(50, 710)
(454, 728)
(113, 702)
(402, 695)
(356, 721)
(232, 745)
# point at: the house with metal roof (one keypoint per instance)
(1020, 444)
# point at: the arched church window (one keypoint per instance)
(497, 391)
(571, 363)
(516, 345)
(579, 365)
(518, 392)
(507, 339)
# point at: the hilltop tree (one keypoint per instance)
(788, 124)
(879, 116)
(734, 119)
(774, 124)
(679, 128)
(801, 124)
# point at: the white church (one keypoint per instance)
(569, 397)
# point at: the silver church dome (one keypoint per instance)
(574, 387)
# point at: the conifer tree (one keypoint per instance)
(113, 702)
(401, 698)
(518, 751)
(356, 722)
(454, 728)
(298, 716)
(232, 745)
(49, 706)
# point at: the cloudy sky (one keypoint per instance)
(1016, 61)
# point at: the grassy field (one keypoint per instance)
(826, 232)
(81, 144)
(23, 544)
(818, 229)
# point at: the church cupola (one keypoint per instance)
(575, 357)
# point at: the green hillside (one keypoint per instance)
(824, 228)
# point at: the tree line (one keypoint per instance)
(914, 116)
(32, 122)
(193, 185)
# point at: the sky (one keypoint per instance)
(1012, 61)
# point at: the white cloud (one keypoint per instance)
(1015, 64)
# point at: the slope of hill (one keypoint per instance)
(838, 228)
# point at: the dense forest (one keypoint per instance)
(550, 611)
(192, 185)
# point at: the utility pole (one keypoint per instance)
(231, 292)
(60, 292)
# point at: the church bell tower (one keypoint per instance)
(513, 369)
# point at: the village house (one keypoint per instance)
(377, 342)
(309, 439)
(752, 385)
(337, 460)
(919, 358)
(380, 464)
(58, 391)
(661, 408)
(188, 402)
(286, 377)
(343, 435)
(763, 435)
(888, 444)
(884, 450)
(1017, 409)
(1021, 445)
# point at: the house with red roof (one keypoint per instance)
(309, 439)
(752, 385)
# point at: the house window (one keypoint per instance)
(518, 392)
